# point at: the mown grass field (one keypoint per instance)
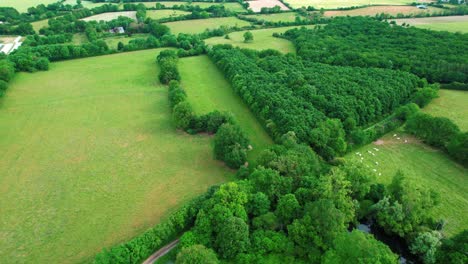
(332, 4)
(111, 16)
(284, 17)
(425, 167)
(112, 42)
(23, 5)
(208, 90)
(196, 26)
(263, 39)
(391, 10)
(451, 104)
(158, 14)
(90, 158)
(446, 23)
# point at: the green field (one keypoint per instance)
(451, 104)
(79, 38)
(23, 5)
(461, 27)
(196, 26)
(112, 42)
(332, 4)
(279, 17)
(158, 14)
(425, 167)
(235, 7)
(263, 39)
(208, 90)
(90, 158)
(443, 23)
(40, 24)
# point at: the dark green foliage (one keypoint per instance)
(211, 122)
(258, 204)
(424, 96)
(230, 145)
(458, 148)
(406, 111)
(435, 131)
(183, 115)
(248, 37)
(288, 94)
(454, 250)
(358, 247)
(366, 42)
(270, 183)
(233, 238)
(7, 70)
(167, 60)
(288, 208)
(197, 254)
(176, 93)
(425, 246)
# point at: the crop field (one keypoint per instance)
(257, 5)
(158, 14)
(426, 167)
(391, 10)
(112, 42)
(110, 16)
(451, 104)
(196, 26)
(90, 158)
(332, 4)
(236, 7)
(263, 39)
(207, 90)
(447, 23)
(284, 17)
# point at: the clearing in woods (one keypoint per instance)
(208, 90)
(391, 10)
(425, 167)
(90, 158)
(196, 26)
(451, 104)
(158, 14)
(263, 39)
(111, 16)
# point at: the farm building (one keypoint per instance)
(117, 30)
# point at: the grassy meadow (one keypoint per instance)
(90, 158)
(332, 4)
(158, 14)
(461, 27)
(196, 26)
(425, 167)
(263, 39)
(279, 17)
(391, 10)
(208, 90)
(112, 42)
(445, 23)
(23, 5)
(451, 104)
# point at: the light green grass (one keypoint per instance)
(235, 7)
(79, 38)
(425, 167)
(279, 17)
(158, 14)
(90, 158)
(331, 4)
(40, 24)
(263, 39)
(112, 42)
(23, 5)
(196, 26)
(208, 90)
(451, 104)
(461, 27)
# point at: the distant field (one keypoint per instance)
(23, 5)
(331, 4)
(208, 90)
(196, 26)
(257, 5)
(110, 16)
(285, 17)
(446, 23)
(263, 39)
(451, 104)
(461, 27)
(90, 158)
(391, 10)
(158, 14)
(112, 42)
(231, 6)
(425, 167)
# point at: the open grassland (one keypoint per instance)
(284, 17)
(23, 5)
(391, 10)
(263, 39)
(233, 6)
(111, 15)
(332, 4)
(40, 24)
(112, 42)
(451, 104)
(207, 90)
(425, 167)
(90, 158)
(447, 23)
(196, 26)
(257, 5)
(158, 14)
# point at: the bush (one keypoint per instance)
(424, 96)
(231, 145)
(458, 148)
(167, 60)
(435, 131)
(176, 93)
(183, 115)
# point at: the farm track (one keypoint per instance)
(161, 252)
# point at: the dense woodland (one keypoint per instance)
(318, 102)
(365, 42)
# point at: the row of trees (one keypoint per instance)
(230, 144)
(366, 42)
(320, 103)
